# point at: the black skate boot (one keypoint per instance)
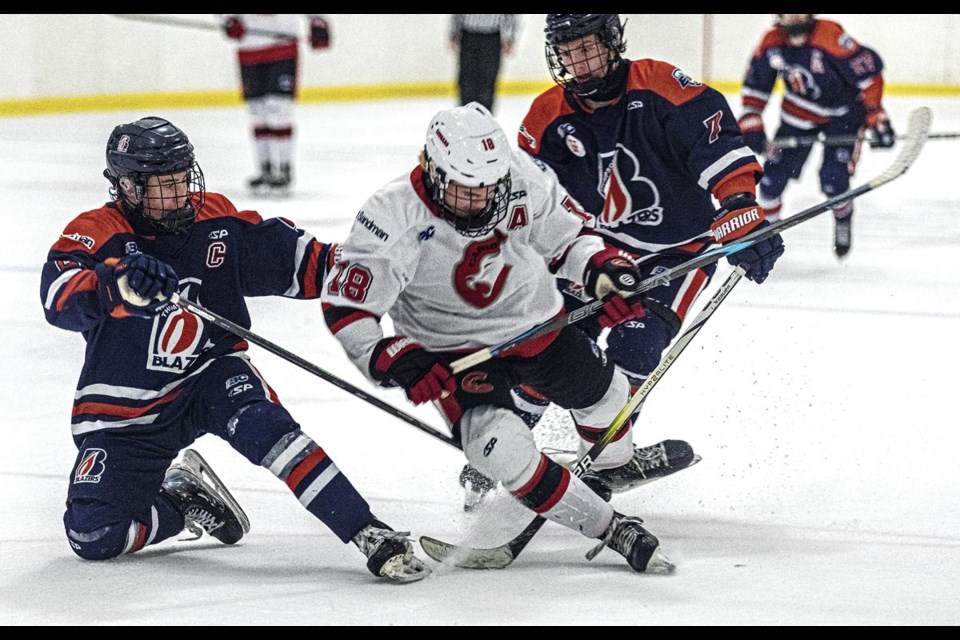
(648, 463)
(640, 547)
(282, 179)
(262, 181)
(203, 499)
(476, 486)
(842, 235)
(389, 553)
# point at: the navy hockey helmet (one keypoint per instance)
(794, 25)
(466, 160)
(588, 68)
(154, 148)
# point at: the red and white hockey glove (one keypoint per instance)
(404, 362)
(612, 277)
(234, 28)
(319, 33)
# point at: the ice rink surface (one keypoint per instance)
(822, 403)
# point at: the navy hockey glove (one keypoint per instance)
(234, 28)
(403, 361)
(135, 285)
(740, 214)
(319, 33)
(882, 130)
(751, 127)
(611, 277)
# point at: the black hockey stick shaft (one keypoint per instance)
(517, 544)
(919, 128)
(196, 24)
(275, 349)
(841, 140)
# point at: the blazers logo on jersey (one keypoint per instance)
(479, 277)
(628, 197)
(91, 466)
(175, 340)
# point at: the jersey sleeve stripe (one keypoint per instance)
(56, 286)
(721, 166)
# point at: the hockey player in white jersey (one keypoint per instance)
(462, 253)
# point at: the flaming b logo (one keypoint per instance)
(628, 197)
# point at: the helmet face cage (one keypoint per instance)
(794, 29)
(466, 162)
(154, 148)
(460, 210)
(597, 44)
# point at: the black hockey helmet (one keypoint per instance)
(147, 148)
(566, 27)
(794, 28)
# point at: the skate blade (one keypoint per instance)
(659, 564)
(195, 462)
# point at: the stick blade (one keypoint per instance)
(918, 130)
(465, 557)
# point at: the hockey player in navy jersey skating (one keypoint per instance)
(156, 377)
(657, 159)
(833, 86)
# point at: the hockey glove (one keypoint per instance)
(135, 285)
(740, 214)
(402, 361)
(882, 130)
(611, 277)
(751, 126)
(319, 33)
(234, 28)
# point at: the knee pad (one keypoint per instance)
(499, 445)
(279, 111)
(636, 346)
(257, 427)
(834, 177)
(98, 531)
(593, 421)
(257, 108)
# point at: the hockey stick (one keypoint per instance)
(837, 141)
(500, 557)
(239, 331)
(197, 24)
(917, 132)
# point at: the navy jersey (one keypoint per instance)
(647, 165)
(135, 366)
(831, 75)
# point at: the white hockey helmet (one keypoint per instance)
(467, 164)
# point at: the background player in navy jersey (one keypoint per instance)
(156, 377)
(833, 85)
(657, 159)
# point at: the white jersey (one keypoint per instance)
(265, 30)
(448, 291)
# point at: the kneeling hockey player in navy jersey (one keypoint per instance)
(156, 377)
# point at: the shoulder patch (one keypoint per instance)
(665, 80)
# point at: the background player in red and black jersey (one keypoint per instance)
(156, 377)
(832, 85)
(657, 158)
